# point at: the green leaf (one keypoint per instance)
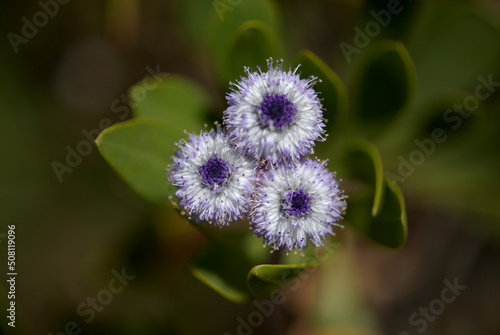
(139, 150)
(375, 205)
(389, 227)
(364, 163)
(331, 86)
(226, 19)
(385, 83)
(252, 43)
(233, 264)
(224, 264)
(224, 271)
(174, 98)
(265, 278)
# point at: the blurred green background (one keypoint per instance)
(66, 80)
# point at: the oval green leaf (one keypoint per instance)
(227, 18)
(331, 87)
(224, 264)
(173, 98)
(263, 279)
(252, 43)
(362, 162)
(223, 270)
(385, 83)
(139, 151)
(375, 205)
(389, 227)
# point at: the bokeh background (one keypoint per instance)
(71, 77)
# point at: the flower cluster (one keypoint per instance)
(257, 165)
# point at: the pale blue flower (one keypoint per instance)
(274, 116)
(214, 181)
(294, 205)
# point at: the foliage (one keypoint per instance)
(372, 111)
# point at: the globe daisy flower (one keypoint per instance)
(274, 116)
(213, 181)
(293, 205)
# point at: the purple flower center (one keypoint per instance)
(215, 172)
(276, 110)
(296, 203)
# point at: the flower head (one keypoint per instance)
(292, 205)
(274, 116)
(213, 180)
